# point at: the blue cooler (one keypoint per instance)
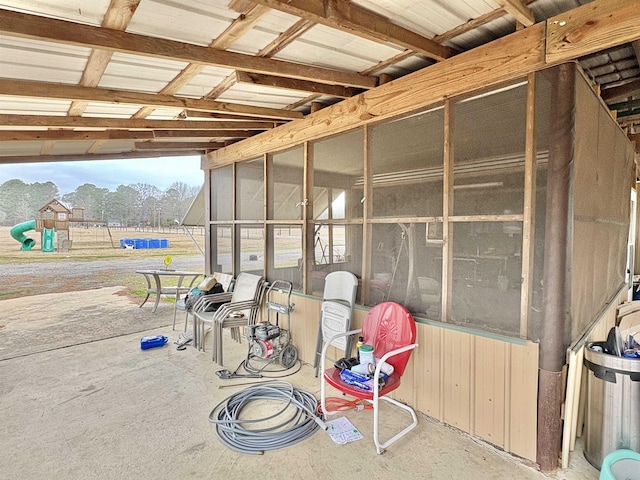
(154, 341)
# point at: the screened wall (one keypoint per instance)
(602, 179)
(442, 210)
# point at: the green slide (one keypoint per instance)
(47, 240)
(17, 232)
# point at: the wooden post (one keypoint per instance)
(447, 248)
(529, 214)
(307, 221)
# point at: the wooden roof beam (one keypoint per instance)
(117, 17)
(351, 18)
(238, 27)
(268, 122)
(517, 9)
(621, 92)
(71, 33)
(54, 121)
(281, 41)
(574, 34)
(204, 133)
(70, 135)
(94, 156)
(26, 88)
(293, 84)
(179, 145)
(596, 25)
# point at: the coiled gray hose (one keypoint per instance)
(300, 424)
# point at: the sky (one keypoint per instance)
(161, 172)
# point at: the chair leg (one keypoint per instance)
(175, 311)
(186, 320)
(194, 328)
(201, 334)
(218, 343)
(381, 447)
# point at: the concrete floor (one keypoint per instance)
(80, 400)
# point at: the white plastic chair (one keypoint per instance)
(336, 312)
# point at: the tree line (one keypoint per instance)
(140, 204)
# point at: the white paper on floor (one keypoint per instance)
(342, 431)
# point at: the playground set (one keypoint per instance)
(53, 225)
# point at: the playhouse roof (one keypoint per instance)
(56, 206)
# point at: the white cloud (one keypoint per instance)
(68, 176)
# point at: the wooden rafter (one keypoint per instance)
(614, 22)
(389, 61)
(25, 88)
(231, 118)
(521, 13)
(621, 92)
(204, 133)
(304, 101)
(93, 156)
(117, 17)
(293, 84)
(351, 18)
(179, 145)
(238, 27)
(281, 41)
(54, 121)
(470, 25)
(286, 37)
(67, 135)
(42, 28)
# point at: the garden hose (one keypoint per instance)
(299, 425)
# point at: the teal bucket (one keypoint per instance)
(621, 465)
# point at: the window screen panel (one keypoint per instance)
(286, 246)
(488, 145)
(250, 190)
(286, 184)
(487, 276)
(338, 169)
(251, 245)
(406, 267)
(222, 247)
(222, 194)
(407, 163)
(336, 247)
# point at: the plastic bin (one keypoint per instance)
(164, 243)
(621, 465)
(613, 403)
(140, 243)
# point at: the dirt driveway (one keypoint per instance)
(70, 302)
(69, 275)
